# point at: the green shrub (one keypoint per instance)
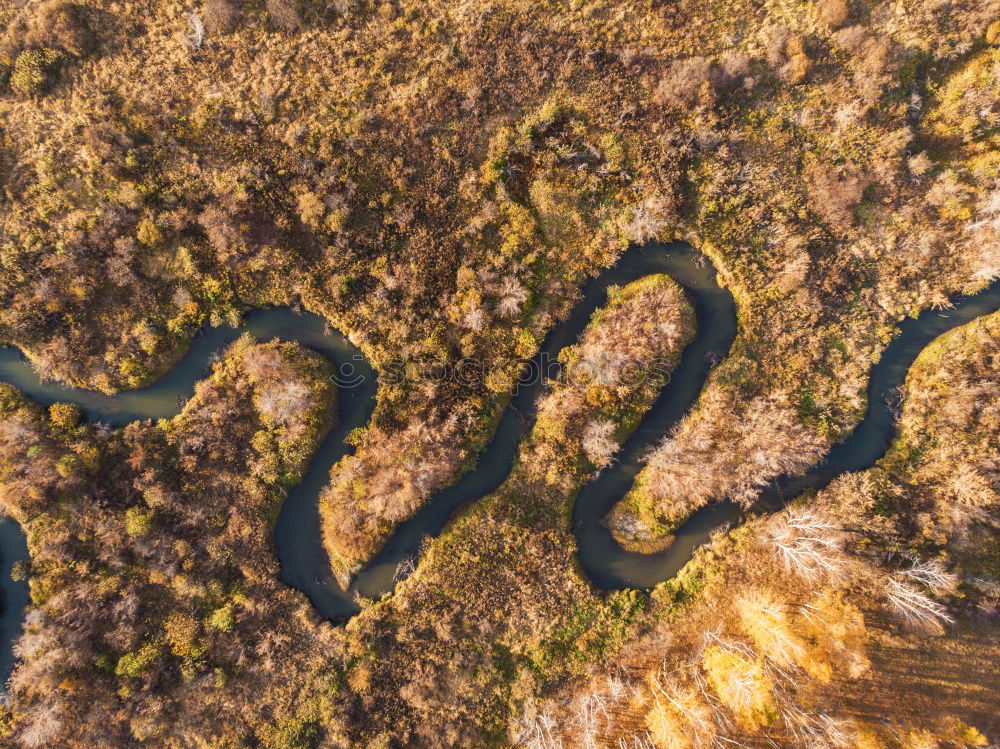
(223, 618)
(34, 71)
(64, 416)
(138, 522)
(68, 465)
(133, 664)
(295, 733)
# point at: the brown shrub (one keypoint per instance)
(774, 37)
(222, 231)
(62, 25)
(733, 67)
(877, 66)
(797, 68)
(834, 197)
(284, 14)
(221, 16)
(687, 81)
(832, 14)
(852, 38)
(786, 53)
(875, 60)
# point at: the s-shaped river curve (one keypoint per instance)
(304, 564)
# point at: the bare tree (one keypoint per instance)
(512, 296)
(913, 605)
(685, 81)
(766, 620)
(692, 707)
(44, 726)
(986, 229)
(809, 546)
(728, 448)
(539, 732)
(933, 575)
(638, 741)
(196, 36)
(592, 712)
(405, 568)
(816, 730)
(649, 220)
(598, 442)
(284, 402)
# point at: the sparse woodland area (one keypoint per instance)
(438, 179)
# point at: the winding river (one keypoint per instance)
(304, 564)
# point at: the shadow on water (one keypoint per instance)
(304, 564)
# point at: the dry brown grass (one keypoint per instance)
(438, 178)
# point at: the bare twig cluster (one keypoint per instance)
(809, 545)
(909, 593)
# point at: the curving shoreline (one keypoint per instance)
(612, 567)
(304, 563)
(715, 311)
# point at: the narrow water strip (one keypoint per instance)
(304, 564)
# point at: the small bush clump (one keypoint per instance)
(221, 16)
(832, 14)
(63, 25)
(284, 14)
(33, 72)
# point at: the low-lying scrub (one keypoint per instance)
(438, 179)
(155, 599)
(501, 585)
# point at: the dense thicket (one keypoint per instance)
(498, 606)
(364, 160)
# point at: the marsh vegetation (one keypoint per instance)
(438, 179)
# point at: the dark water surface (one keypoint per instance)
(304, 564)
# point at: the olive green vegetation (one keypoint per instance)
(438, 179)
